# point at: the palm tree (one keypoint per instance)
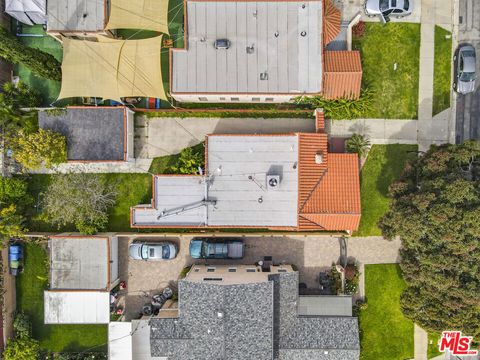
(358, 144)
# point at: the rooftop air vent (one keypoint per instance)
(250, 49)
(222, 44)
(264, 76)
(273, 182)
(319, 158)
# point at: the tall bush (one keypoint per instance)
(39, 62)
(340, 109)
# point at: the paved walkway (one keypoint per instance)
(420, 343)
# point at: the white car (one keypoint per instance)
(152, 251)
(387, 8)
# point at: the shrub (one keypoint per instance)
(188, 162)
(20, 96)
(335, 280)
(184, 272)
(341, 109)
(22, 325)
(358, 144)
(14, 191)
(39, 62)
(23, 348)
(11, 224)
(44, 147)
(352, 280)
(359, 30)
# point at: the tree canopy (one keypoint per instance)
(436, 212)
(81, 199)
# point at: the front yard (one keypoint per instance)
(56, 338)
(442, 70)
(390, 59)
(384, 165)
(384, 332)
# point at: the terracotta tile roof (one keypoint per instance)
(331, 22)
(332, 222)
(309, 172)
(342, 74)
(334, 203)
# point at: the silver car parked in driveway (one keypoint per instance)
(387, 8)
(465, 69)
(152, 250)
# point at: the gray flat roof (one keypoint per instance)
(238, 195)
(92, 133)
(286, 37)
(79, 263)
(76, 15)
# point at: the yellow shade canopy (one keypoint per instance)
(139, 14)
(112, 69)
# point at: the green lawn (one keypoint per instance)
(384, 332)
(395, 91)
(433, 340)
(384, 165)
(133, 189)
(30, 286)
(442, 70)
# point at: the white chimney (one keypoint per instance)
(319, 158)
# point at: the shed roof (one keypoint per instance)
(76, 15)
(79, 263)
(77, 307)
(343, 74)
(284, 40)
(92, 133)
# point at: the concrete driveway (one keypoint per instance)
(350, 8)
(311, 254)
(165, 136)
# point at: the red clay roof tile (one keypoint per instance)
(342, 76)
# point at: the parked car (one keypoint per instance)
(465, 65)
(387, 8)
(216, 248)
(152, 251)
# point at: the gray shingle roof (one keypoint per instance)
(260, 321)
(93, 133)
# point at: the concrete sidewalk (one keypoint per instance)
(420, 343)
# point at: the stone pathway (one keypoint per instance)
(420, 343)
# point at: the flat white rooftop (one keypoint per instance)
(238, 189)
(79, 263)
(77, 307)
(282, 39)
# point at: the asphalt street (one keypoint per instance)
(468, 106)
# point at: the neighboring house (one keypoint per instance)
(83, 270)
(66, 18)
(93, 134)
(279, 182)
(264, 51)
(241, 312)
